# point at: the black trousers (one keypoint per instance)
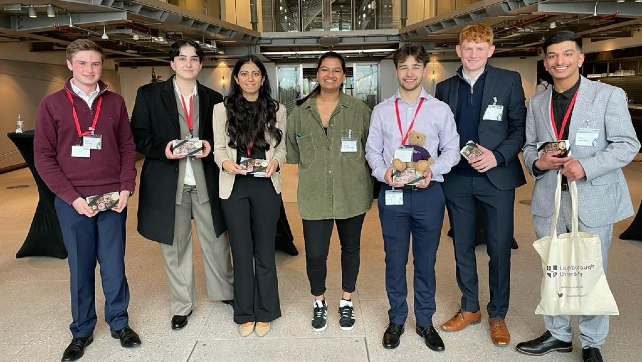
(462, 195)
(251, 213)
(317, 244)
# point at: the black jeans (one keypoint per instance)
(251, 214)
(317, 243)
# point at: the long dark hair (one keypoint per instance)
(317, 89)
(248, 121)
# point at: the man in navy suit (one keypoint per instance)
(488, 104)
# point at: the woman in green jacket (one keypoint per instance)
(327, 134)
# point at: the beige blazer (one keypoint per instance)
(223, 152)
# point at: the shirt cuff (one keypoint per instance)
(500, 159)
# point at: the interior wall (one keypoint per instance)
(238, 12)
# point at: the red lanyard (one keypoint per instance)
(404, 138)
(93, 125)
(188, 114)
(249, 148)
(560, 133)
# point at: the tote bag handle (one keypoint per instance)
(574, 207)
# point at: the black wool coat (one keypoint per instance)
(154, 124)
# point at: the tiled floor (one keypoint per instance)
(35, 304)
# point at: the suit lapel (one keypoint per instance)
(487, 93)
(204, 102)
(452, 97)
(583, 102)
(169, 98)
(545, 112)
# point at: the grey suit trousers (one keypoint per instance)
(593, 329)
(178, 257)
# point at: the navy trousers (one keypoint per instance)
(89, 240)
(422, 215)
(463, 193)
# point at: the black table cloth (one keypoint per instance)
(44, 237)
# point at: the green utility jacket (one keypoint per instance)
(332, 184)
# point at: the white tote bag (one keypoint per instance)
(573, 280)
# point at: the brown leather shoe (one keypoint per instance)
(499, 332)
(461, 320)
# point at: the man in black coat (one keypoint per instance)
(175, 188)
(488, 104)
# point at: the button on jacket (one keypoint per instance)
(332, 184)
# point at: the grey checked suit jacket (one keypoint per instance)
(603, 194)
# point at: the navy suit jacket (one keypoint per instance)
(506, 136)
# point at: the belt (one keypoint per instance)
(415, 188)
(565, 187)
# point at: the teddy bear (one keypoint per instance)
(421, 158)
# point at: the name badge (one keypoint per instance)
(394, 197)
(494, 113)
(93, 142)
(80, 151)
(587, 137)
(404, 154)
(348, 145)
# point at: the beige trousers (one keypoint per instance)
(178, 257)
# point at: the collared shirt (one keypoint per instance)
(561, 102)
(186, 96)
(189, 172)
(89, 99)
(469, 80)
(435, 120)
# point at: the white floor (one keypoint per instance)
(35, 308)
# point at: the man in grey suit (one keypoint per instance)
(176, 189)
(595, 120)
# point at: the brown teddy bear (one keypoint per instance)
(421, 159)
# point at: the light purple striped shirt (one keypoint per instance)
(434, 119)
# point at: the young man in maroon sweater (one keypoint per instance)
(83, 147)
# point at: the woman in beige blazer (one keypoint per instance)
(249, 148)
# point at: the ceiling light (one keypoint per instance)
(51, 12)
(105, 36)
(620, 1)
(136, 37)
(552, 25)
(32, 12)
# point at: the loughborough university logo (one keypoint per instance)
(551, 271)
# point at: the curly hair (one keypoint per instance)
(248, 122)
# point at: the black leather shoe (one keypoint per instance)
(544, 344)
(180, 321)
(591, 354)
(229, 302)
(392, 335)
(431, 337)
(76, 348)
(128, 338)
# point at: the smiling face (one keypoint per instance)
(563, 61)
(187, 64)
(330, 75)
(474, 56)
(410, 73)
(250, 79)
(86, 66)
